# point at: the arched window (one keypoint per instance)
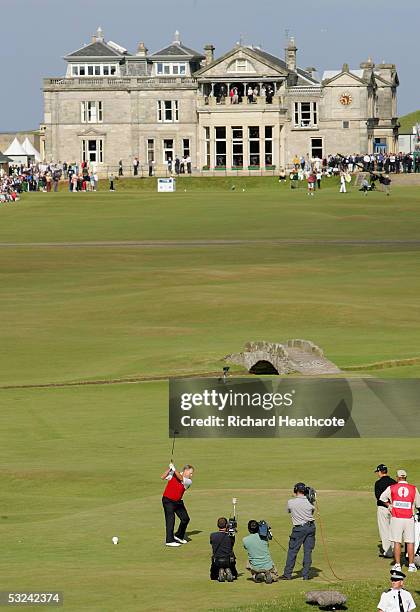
(241, 65)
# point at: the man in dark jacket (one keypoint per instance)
(223, 562)
(383, 515)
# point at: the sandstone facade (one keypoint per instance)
(112, 105)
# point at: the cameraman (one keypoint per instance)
(223, 562)
(260, 563)
(303, 532)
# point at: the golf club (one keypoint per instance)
(176, 432)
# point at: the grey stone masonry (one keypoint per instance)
(245, 110)
(301, 356)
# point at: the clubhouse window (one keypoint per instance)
(254, 145)
(186, 147)
(168, 149)
(317, 147)
(91, 111)
(150, 150)
(167, 111)
(241, 65)
(90, 70)
(268, 145)
(305, 115)
(220, 140)
(171, 68)
(93, 151)
(208, 146)
(237, 147)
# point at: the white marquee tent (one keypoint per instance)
(30, 149)
(17, 153)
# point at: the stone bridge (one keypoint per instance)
(301, 356)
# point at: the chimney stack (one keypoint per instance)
(291, 55)
(141, 50)
(209, 53)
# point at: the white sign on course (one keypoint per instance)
(166, 184)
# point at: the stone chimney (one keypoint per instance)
(209, 53)
(290, 55)
(385, 70)
(99, 35)
(141, 50)
(310, 70)
(368, 65)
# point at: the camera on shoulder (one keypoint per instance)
(264, 530)
(308, 492)
(232, 527)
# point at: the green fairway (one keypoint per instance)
(82, 465)
(137, 286)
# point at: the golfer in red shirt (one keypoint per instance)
(178, 483)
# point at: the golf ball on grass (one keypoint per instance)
(115, 540)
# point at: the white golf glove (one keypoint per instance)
(172, 467)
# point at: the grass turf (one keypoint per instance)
(81, 464)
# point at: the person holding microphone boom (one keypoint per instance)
(178, 483)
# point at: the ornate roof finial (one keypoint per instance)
(177, 38)
(99, 34)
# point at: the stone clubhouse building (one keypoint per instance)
(245, 110)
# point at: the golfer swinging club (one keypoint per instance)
(178, 483)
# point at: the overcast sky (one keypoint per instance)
(35, 34)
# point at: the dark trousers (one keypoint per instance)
(171, 508)
(222, 562)
(302, 534)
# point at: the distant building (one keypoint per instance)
(112, 105)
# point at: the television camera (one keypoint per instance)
(309, 492)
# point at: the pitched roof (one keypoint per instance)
(15, 149)
(30, 149)
(95, 49)
(329, 74)
(269, 57)
(177, 49)
(254, 52)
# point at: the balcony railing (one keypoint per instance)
(119, 81)
(213, 103)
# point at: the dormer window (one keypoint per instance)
(91, 70)
(241, 65)
(171, 68)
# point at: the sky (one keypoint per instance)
(36, 34)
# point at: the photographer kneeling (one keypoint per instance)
(223, 562)
(303, 532)
(260, 563)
